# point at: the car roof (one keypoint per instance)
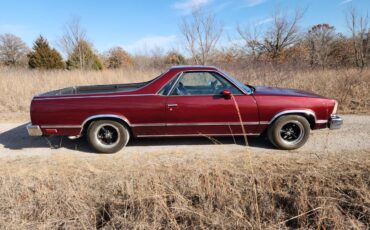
(193, 67)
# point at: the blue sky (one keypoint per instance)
(141, 25)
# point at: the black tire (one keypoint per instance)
(107, 136)
(289, 132)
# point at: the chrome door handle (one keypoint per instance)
(171, 105)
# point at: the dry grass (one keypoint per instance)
(178, 191)
(242, 190)
(350, 87)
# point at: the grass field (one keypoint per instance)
(239, 190)
(349, 87)
(201, 190)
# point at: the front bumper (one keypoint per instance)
(34, 130)
(335, 122)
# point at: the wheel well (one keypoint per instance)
(87, 124)
(310, 118)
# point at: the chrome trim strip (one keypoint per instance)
(212, 123)
(105, 116)
(144, 125)
(171, 105)
(317, 122)
(203, 95)
(232, 80)
(305, 111)
(60, 126)
(173, 86)
(175, 77)
(153, 124)
(193, 66)
(148, 125)
(199, 135)
(102, 96)
(195, 124)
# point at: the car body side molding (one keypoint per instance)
(307, 112)
(122, 118)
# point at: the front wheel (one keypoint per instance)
(289, 132)
(107, 136)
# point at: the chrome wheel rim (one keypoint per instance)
(107, 135)
(292, 132)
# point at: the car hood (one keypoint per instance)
(261, 90)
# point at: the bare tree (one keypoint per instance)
(75, 44)
(73, 35)
(250, 35)
(12, 49)
(358, 26)
(201, 33)
(283, 33)
(321, 38)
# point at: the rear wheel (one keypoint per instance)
(107, 136)
(289, 132)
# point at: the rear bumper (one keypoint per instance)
(34, 130)
(335, 122)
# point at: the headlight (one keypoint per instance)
(335, 108)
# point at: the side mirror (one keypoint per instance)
(226, 94)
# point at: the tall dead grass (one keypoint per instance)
(158, 192)
(349, 87)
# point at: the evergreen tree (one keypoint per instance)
(83, 57)
(44, 57)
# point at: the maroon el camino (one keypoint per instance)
(185, 101)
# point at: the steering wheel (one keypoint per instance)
(217, 89)
(214, 86)
(180, 89)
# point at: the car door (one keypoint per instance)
(196, 106)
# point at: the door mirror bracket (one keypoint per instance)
(226, 94)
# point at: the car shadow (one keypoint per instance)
(17, 138)
(259, 142)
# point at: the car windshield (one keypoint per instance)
(242, 86)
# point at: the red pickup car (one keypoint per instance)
(184, 101)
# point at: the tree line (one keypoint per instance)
(283, 42)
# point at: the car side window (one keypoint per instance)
(202, 83)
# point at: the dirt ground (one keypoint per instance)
(353, 136)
